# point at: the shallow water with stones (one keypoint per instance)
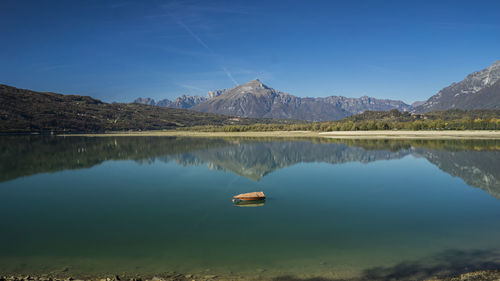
(335, 209)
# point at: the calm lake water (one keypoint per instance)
(335, 209)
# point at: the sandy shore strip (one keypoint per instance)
(478, 134)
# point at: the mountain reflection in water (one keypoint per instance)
(475, 161)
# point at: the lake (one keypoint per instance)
(373, 209)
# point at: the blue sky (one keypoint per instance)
(119, 50)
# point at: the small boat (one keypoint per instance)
(251, 196)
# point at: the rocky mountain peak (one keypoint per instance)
(183, 101)
(468, 93)
(256, 84)
(255, 81)
(216, 93)
(148, 101)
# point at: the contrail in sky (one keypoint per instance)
(230, 76)
(197, 38)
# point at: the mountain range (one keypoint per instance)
(255, 99)
(479, 90)
(183, 101)
(29, 111)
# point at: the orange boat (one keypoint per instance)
(251, 196)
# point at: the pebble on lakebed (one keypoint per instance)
(470, 276)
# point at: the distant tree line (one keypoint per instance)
(383, 120)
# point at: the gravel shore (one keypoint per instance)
(481, 275)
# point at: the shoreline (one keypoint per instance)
(478, 134)
(491, 274)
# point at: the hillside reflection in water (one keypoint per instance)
(474, 161)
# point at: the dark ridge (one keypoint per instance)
(25, 111)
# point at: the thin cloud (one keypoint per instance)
(203, 44)
(230, 76)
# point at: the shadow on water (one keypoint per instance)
(446, 263)
(256, 203)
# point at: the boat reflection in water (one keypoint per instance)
(255, 203)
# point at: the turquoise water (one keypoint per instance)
(146, 205)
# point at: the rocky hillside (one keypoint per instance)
(257, 100)
(479, 90)
(364, 103)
